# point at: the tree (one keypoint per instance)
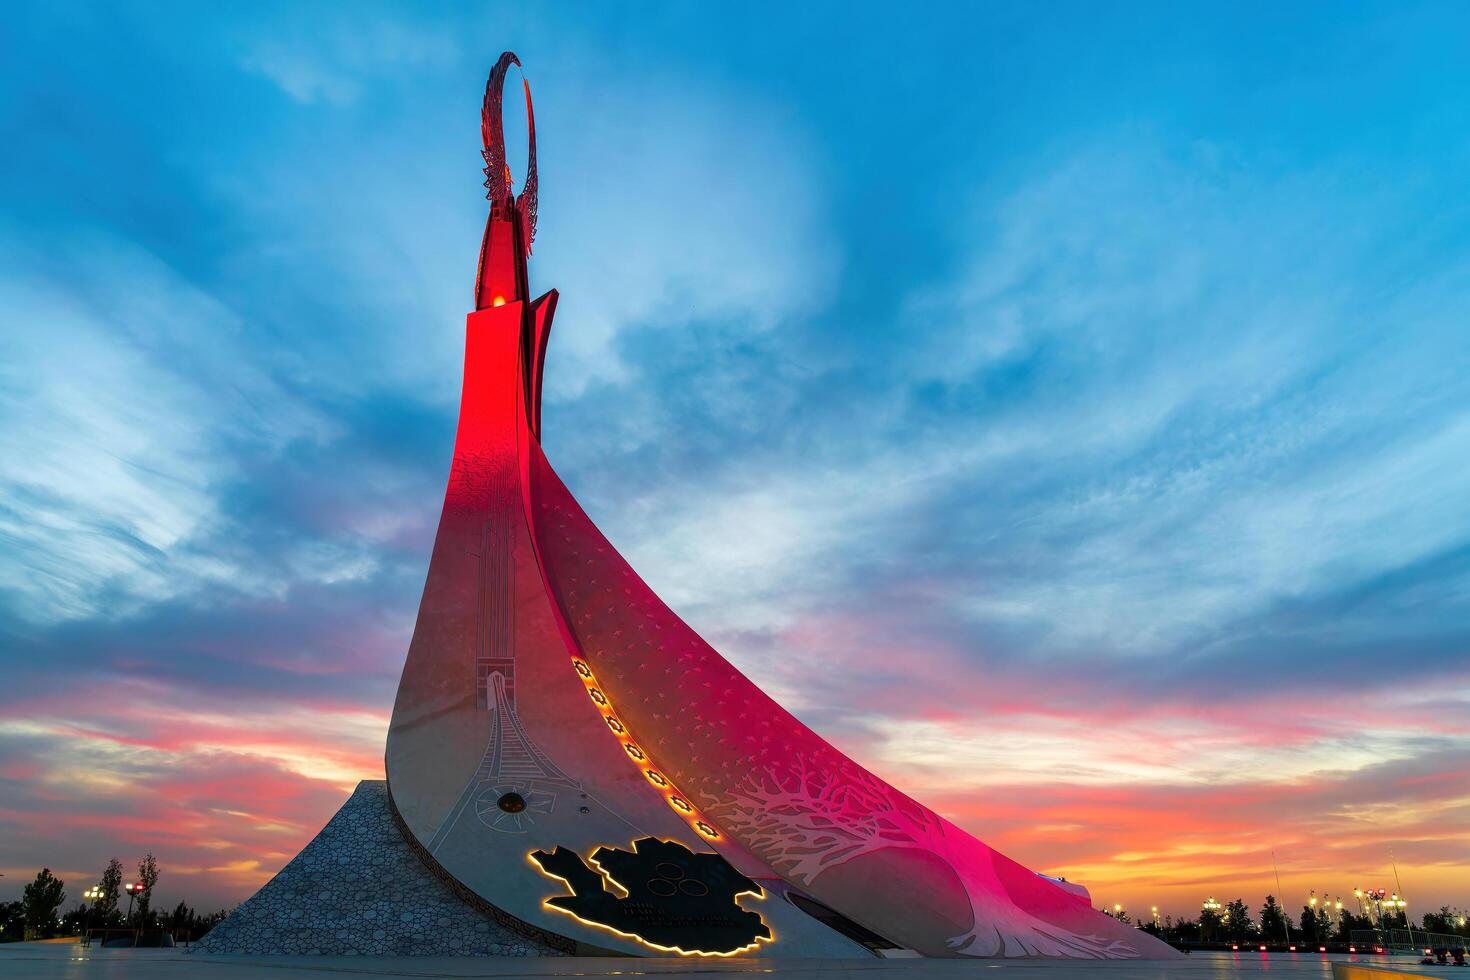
(204, 923)
(182, 917)
(111, 885)
(1309, 924)
(1238, 922)
(1438, 921)
(1324, 925)
(1187, 930)
(12, 921)
(1447, 921)
(73, 923)
(1348, 923)
(1273, 920)
(41, 899)
(1209, 925)
(148, 876)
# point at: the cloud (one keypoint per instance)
(707, 210)
(1102, 490)
(1139, 512)
(331, 63)
(119, 397)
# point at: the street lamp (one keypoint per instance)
(1208, 905)
(91, 895)
(1374, 900)
(1155, 910)
(133, 890)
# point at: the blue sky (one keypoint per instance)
(1053, 401)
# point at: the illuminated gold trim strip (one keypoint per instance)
(677, 801)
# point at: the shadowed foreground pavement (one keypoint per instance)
(62, 962)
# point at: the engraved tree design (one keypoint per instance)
(812, 817)
(808, 819)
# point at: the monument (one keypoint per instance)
(572, 769)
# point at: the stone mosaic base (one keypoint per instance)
(358, 888)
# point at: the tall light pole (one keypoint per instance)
(1209, 905)
(91, 895)
(1377, 898)
(1285, 917)
(1401, 904)
(133, 890)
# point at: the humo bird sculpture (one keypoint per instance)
(581, 764)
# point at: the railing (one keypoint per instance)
(1414, 941)
(121, 936)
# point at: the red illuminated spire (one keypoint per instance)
(552, 706)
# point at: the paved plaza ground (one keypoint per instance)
(65, 962)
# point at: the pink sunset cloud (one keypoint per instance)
(1096, 492)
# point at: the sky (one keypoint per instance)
(1064, 408)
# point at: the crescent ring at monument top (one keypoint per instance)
(498, 180)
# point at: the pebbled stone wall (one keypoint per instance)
(358, 888)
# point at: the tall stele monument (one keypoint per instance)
(576, 762)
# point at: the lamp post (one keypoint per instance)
(1155, 911)
(1399, 905)
(1209, 905)
(91, 895)
(133, 890)
(1378, 899)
